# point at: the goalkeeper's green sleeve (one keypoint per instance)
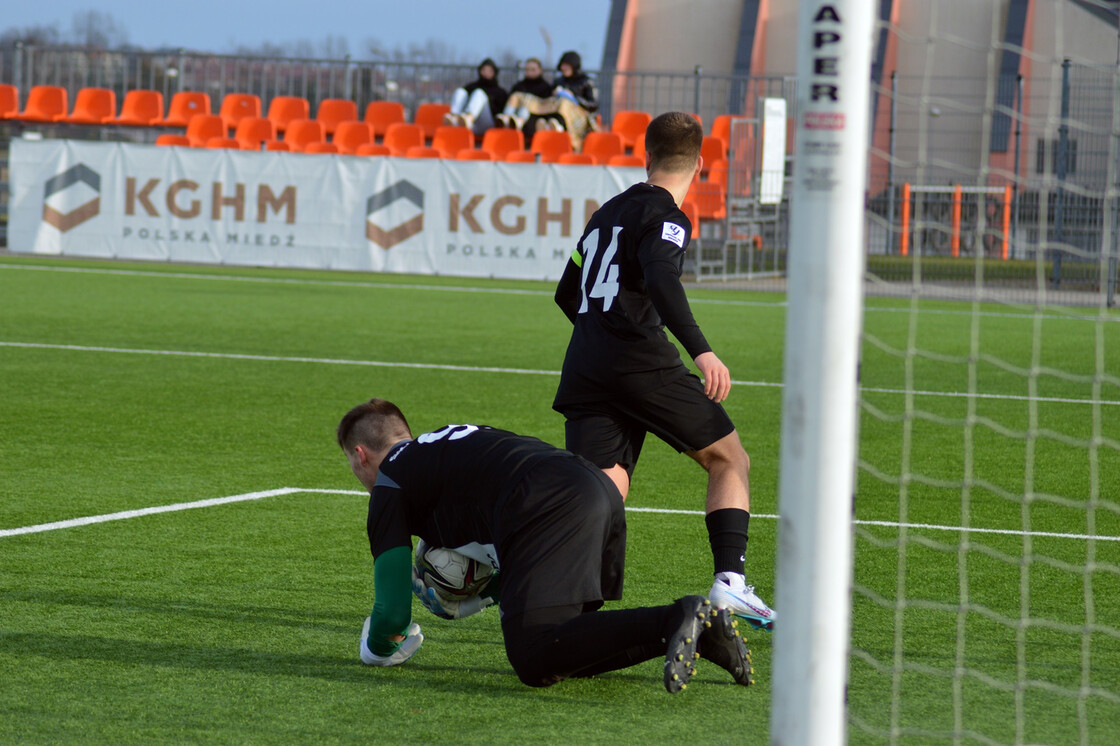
(392, 603)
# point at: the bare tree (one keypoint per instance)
(97, 30)
(31, 36)
(434, 51)
(334, 47)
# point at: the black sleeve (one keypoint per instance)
(660, 261)
(588, 96)
(386, 524)
(568, 291)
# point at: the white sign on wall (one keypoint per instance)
(773, 151)
(426, 216)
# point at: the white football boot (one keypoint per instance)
(744, 603)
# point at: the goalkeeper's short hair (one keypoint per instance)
(376, 424)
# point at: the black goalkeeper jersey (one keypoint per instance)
(621, 289)
(444, 486)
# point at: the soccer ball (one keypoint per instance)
(452, 575)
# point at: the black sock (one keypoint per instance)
(727, 533)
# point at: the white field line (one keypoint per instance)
(495, 369)
(126, 514)
(509, 291)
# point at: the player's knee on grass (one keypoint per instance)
(529, 643)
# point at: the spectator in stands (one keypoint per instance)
(578, 97)
(525, 107)
(477, 103)
(571, 105)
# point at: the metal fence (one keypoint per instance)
(1052, 141)
(363, 81)
(1060, 170)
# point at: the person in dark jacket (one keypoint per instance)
(569, 106)
(577, 99)
(575, 85)
(477, 103)
(525, 98)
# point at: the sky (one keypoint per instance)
(473, 29)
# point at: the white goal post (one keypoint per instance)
(818, 451)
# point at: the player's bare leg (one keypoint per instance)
(728, 467)
(727, 509)
(620, 478)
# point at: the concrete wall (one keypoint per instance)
(677, 35)
(946, 56)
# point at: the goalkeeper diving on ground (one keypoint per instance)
(559, 531)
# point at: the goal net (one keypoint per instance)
(986, 583)
(981, 515)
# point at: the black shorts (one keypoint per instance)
(612, 431)
(560, 537)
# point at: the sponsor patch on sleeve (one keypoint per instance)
(673, 232)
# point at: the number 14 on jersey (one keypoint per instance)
(605, 285)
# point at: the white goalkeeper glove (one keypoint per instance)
(447, 608)
(411, 644)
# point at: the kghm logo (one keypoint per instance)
(79, 174)
(387, 238)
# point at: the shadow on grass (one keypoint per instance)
(279, 616)
(230, 612)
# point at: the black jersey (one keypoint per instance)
(620, 289)
(444, 486)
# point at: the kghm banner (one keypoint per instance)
(426, 216)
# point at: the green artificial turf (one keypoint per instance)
(238, 623)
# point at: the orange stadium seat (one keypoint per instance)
(237, 106)
(630, 124)
(422, 151)
(602, 146)
(640, 147)
(551, 144)
(141, 108)
(93, 106)
(499, 142)
(349, 135)
(173, 140)
(711, 150)
(576, 159)
(184, 105)
(721, 128)
(203, 128)
(252, 131)
(334, 110)
(45, 103)
(400, 137)
(710, 195)
(450, 140)
(224, 143)
(474, 155)
(381, 114)
(688, 207)
(302, 132)
(284, 109)
(520, 156)
(9, 101)
(277, 145)
(627, 160)
(372, 149)
(430, 116)
(321, 147)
